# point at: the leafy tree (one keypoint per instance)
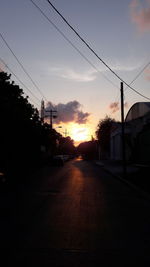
(20, 127)
(103, 133)
(88, 149)
(66, 146)
(22, 132)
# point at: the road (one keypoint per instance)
(79, 215)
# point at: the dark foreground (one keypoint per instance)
(75, 215)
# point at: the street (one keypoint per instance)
(79, 215)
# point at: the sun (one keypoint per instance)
(79, 133)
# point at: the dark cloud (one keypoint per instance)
(115, 106)
(2, 67)
(147, 72)
(69, 112)
(141, 15)
(82, 117)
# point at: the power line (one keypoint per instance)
(19, 62)
(92, 50)
(27, 95)
(67, 39)
(6, 65)
(139, 74)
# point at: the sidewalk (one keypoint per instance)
(137, 176)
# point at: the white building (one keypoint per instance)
(137, 134)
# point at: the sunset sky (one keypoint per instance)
(83, 93)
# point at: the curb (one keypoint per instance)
(133, 186)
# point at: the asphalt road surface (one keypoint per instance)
(78, 215)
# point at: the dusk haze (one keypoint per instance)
(75, 133)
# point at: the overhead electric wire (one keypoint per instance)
(27, 95)
(6, 65)
(21, 65)
(139, 74)
(68, 40)
(92, 50)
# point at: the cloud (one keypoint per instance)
(141, 15)
(92, 74)
(82, 117)
(2, 67)
(118, 66)
(81, 131)
(115, 106)
(70, 74)
(147, 72)
(69, 112)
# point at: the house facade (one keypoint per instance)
(137, 135)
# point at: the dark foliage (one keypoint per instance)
(66, 146)
(88, 150)
(103, 132)
(22, 133)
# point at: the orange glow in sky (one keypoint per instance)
(79, 133)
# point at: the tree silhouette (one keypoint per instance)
(103, 133)
(88, 149)
(22, 132)
(66, 146)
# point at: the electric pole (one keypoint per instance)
(52, 115)
(123, 132)
(42, 111)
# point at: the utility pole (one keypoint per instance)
(42, 111)
(123, 132)
(52, 115)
